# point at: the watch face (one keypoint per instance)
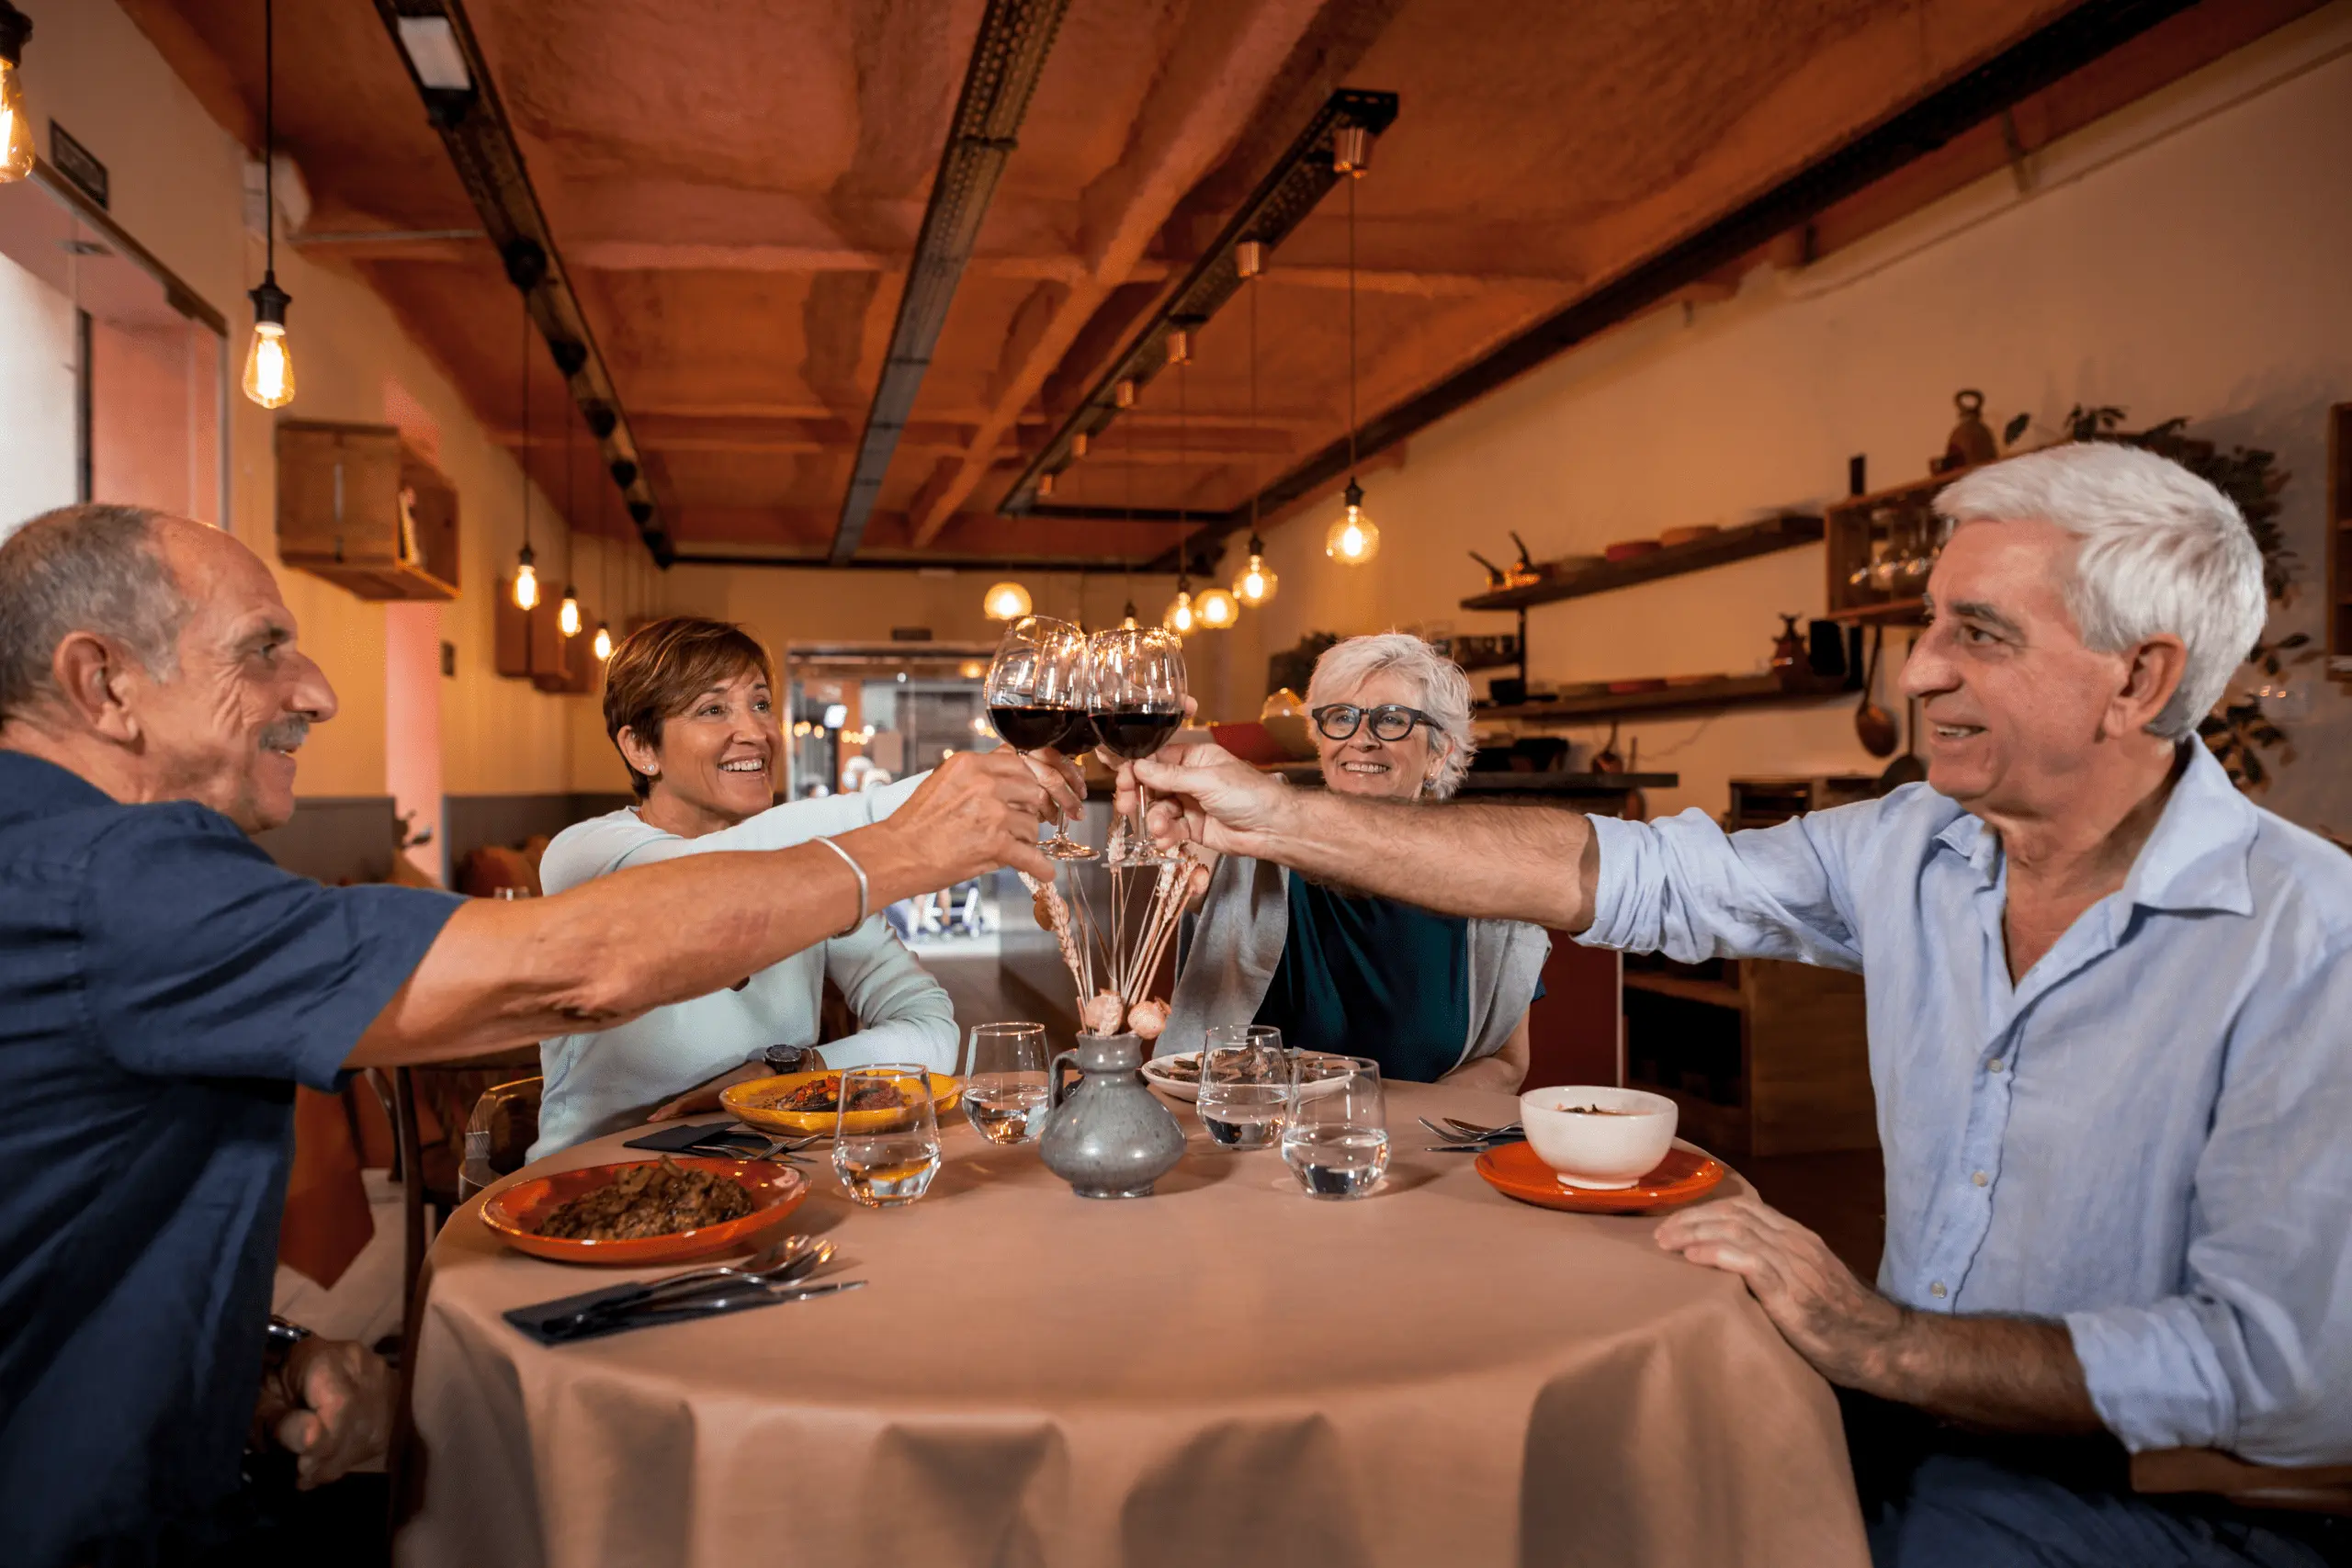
(786, 1059)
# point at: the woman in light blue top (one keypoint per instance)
(690, 706)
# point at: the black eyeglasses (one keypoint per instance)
(1390, 721)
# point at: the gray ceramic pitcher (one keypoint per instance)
(1109, 1136)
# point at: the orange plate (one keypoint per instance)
(1515, 1172)
(515, 1213)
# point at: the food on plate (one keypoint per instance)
(1180, 1069)
(659, 1199)
(824, 1094)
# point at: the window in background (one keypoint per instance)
(113, 385)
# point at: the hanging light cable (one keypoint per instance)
(16, 157)
(1179, 618)
(269, 362)
(1352, 540)
(526, 576)
(567, 617)
(1257, 581)
(603, 646)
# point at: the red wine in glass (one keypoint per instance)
(1133, 733)
(1036, 694)
(1029, 727)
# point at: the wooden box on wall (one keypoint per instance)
(357, 506)
(531, 645)
(1856, 526)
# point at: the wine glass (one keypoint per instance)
(1005, 1089)
(1245, 1085)
(886, 1143)
(1335, 1130)
(1136, 693)
(1036, 697)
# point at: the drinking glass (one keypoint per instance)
(1335, 1132)
(1005, 1089)
(1036, 692)
(1136, 693)
(887, 1154)
(1245, 1085)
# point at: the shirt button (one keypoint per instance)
(1993, 1066)
(1979, 1178)
(1936, 1290)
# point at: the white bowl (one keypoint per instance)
(1613, 1145)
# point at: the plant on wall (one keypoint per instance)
(2237, 731)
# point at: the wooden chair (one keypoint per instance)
(2305, 1489)
(499, 1134)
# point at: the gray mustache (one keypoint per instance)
(285, 734)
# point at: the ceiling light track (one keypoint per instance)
(2047, 56)
(1289, 192)
(1007, 59)
(1091, 565)
(445, 61)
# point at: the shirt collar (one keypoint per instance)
(2196, 858)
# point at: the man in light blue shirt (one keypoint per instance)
(2111, 1022)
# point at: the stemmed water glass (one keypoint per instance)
(1005, 1092)
(1245, 1085)
(1136, 693)
(887, 1152)
(1036, 697)
(1335, 1130)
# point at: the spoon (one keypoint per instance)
(1873, 725)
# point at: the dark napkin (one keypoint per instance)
(532, 1320)
(701, 1135)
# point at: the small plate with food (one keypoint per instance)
(811, 1102)
(645, 1210)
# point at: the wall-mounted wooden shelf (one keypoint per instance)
(359, 507)
(1738, 691)
(1888, 613)
(1855, 527)
(1785, 532)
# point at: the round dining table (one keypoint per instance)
(1226, 1372)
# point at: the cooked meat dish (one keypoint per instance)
(648, 1199)
(825, 1094)
(1182, 1069)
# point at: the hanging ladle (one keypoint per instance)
(1872, 724)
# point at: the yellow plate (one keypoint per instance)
(739, 1098)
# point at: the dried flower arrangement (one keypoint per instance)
(1111, 965)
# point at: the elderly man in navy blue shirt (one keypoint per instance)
(163, 986)
(2111, 1031)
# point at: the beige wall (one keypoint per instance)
(178, 188)
(2187, 256)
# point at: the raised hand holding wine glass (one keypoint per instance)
(1036, 699)
(1135, 693)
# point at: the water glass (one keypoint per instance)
(887, 1150)
(1005, 1089)
(1335, 1132)
(1246, 1080)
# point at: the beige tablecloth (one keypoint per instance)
(1226, 1373)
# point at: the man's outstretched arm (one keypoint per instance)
(1512, 863)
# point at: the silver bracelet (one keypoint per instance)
(850, 861)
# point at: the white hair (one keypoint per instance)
(2159, 550)
(1445, 691)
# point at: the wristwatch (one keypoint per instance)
(791, 1058)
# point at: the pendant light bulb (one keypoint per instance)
(603, 643)
(1353, 539)
(1216, 609)
(1256, 581)
(1180, 617)
(567, 616)
(269, 362)
(15, 127)
(1005, 601)
(1127, 617)
(527, 582)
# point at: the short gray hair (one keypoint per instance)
(1445, 691)
(2159, 550)
(85, 569)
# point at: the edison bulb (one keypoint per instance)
(16, 128)
(567, 616)
(269, 367)
(603, 643)
(1216, 609)
(1180, 617)
(1353, 539)
(527, 587)
(1005, 601)
(1257, 582)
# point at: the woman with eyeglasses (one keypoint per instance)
(1429, 996)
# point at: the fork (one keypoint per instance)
(1472, 1130)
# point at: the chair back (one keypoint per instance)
(499, 1132)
